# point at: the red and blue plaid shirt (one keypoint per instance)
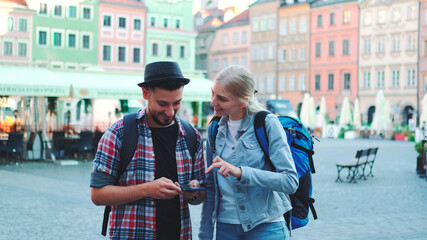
(137, 220)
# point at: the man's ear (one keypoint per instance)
(145, 93)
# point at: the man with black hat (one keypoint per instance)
(148, 202)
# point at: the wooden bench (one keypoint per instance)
(353, 165)
(363, 158)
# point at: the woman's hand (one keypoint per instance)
(225, 168)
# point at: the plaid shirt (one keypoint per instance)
(137, 220)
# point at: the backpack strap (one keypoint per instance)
(214, 131)
(130, 141)
(261, 134)
(190, 138)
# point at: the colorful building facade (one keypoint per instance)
(122, 29)
(333, 54)
(170, 33)
(231, 44)
(65, 33)
(422, 62)
(293, 51)
(388, 57)
(15, 33)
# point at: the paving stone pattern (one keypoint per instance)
(42, 200)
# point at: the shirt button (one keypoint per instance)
(252, 145)
(242, 207)
(249, 226)
(152, 202)
(232, 147)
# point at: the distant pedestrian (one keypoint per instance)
(245, 198)
(148, 203)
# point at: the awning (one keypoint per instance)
(30, 81)
(198, 89)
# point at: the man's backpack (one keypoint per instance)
(130, 141)
(301, 146)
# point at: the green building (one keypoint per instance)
(170, 33)
(65, 33)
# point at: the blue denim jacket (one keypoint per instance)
(260, 193)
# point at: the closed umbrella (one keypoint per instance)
(345, 115)
(378, 123)
(356, 115)
(307, 112)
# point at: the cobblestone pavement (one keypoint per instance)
(41, 200)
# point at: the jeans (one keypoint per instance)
(267, 231)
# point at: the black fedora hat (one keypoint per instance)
(162, 72)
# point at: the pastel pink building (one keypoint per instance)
(334, 52)
(122, 30)
(15, 32)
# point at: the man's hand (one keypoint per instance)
(225, 168)
(191, 195)
(164, 188)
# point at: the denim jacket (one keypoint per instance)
(260, 193)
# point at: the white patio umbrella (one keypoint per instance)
(312, 109)
(378, 123)
(423, 117)
(306, 114)
(322, 116)
(345, 115)
(356, 114)
(387, 117)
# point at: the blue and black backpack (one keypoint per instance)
(301, 145)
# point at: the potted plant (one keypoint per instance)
(421, 165)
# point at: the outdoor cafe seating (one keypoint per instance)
(13, 146)
(72, 145)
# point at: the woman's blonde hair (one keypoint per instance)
(240, 83)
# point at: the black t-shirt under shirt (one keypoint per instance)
(168, 217)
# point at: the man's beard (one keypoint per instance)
(157, 120)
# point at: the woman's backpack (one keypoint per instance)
(301, 145)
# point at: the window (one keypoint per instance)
(72, 12)
(122, 22)
(366, 79)
(22, 49)
(381, 16)
(366, 46)
(168, 50)
(245, 61)
(346, 17)
(121, 54)
(224, 62)
(380, 79)
(215, 65)
(7, 51)
(23, 25)
(165, 22)
(71, 40)
(270, 84)
(155, 49)
(283, 26)
(302, 26)
(136, 55)
(317, 82)
(225, 39)
(346, 47)
(235, 38)
(395, 78)
(318, 49)
(263, 24)
(412, 14)
(411, 42)
(395, 44)
(271, 23)
(57, 11)
(282, 86)
(292, 83)
(137, 24)
(302, 54)
(202, 42)
(380, 45)
(330, 81)
(107, 21)
(152, 21)
(255, 25)
(86, 41)
(293, 27)
(347, 82)
(106, 53)
(367, 19)
(86, 13)
(182, 51)
(10, 24)
(261, 84)
(178, 23)
(332, 19)
(396, 15)
(411, 78)
(42, 38)
(282, 55)
(331, 48)
(302, 82)
(244, 37)
(43, 8)
(319, 21)
(293, 54)
(57, 39)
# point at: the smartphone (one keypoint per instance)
(192, 189)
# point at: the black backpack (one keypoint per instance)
(301, 146)
(130, 140)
